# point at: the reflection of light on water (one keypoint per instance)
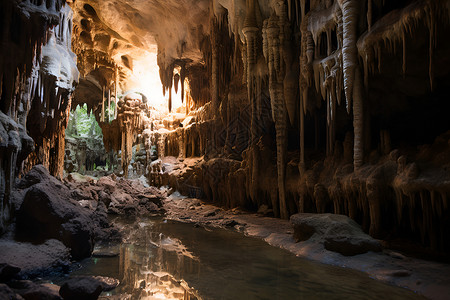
(152, 264)
(229, 266)
(177, 246)
(162, 285)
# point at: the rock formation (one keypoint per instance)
(37, 77)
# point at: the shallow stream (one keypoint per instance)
(170, 260)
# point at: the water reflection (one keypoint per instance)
(169, 260)
(151, 264)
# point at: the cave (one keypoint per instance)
(224, 149)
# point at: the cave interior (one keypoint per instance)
(281, 107)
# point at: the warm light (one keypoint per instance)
(145, 79)
(159, 296)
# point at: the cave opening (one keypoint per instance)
(85, 152)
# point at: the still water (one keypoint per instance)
(171, 260)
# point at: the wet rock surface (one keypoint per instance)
(40, 260)
(29, 290)
(62, 220)
(76, 211)
(7, 293)
(32, 291)
(81, 288)
(338, 233)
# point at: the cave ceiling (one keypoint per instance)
(110, 35)
(117, 34)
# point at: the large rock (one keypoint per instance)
(6, 293)
(33, 260)
(108, 184)
(108, 283)
(33, 291)
(76, 288)
(7, 272)
(338, 233)
(48, 212)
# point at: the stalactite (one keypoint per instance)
(350, 9)
(102, 118)
(290, 82)
(431, 46)
(276, 90)
(183, 78)
(250, 31)
(176, 80)
(214, 64)
(358, 122)
(404, 53)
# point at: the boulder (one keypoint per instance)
(76, 288)
(48, 212)
(7, 272)
(107, 183)
(7, 293)
(37, 175)
(104, 197)
(40, 292)
(108, 283)
(33, 260)
(338, 233)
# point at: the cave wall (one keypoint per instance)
(37, 74)
(324, 106)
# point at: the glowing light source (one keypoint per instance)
(145, 79)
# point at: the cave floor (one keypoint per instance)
(428, 278)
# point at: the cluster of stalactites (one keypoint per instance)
(52, 83)
(331, 49)
(385, 34)
(26, 85)
(333, 72)
(27, 23)
(169, 78)
(37, 68)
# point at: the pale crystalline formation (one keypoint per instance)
(38, 73)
